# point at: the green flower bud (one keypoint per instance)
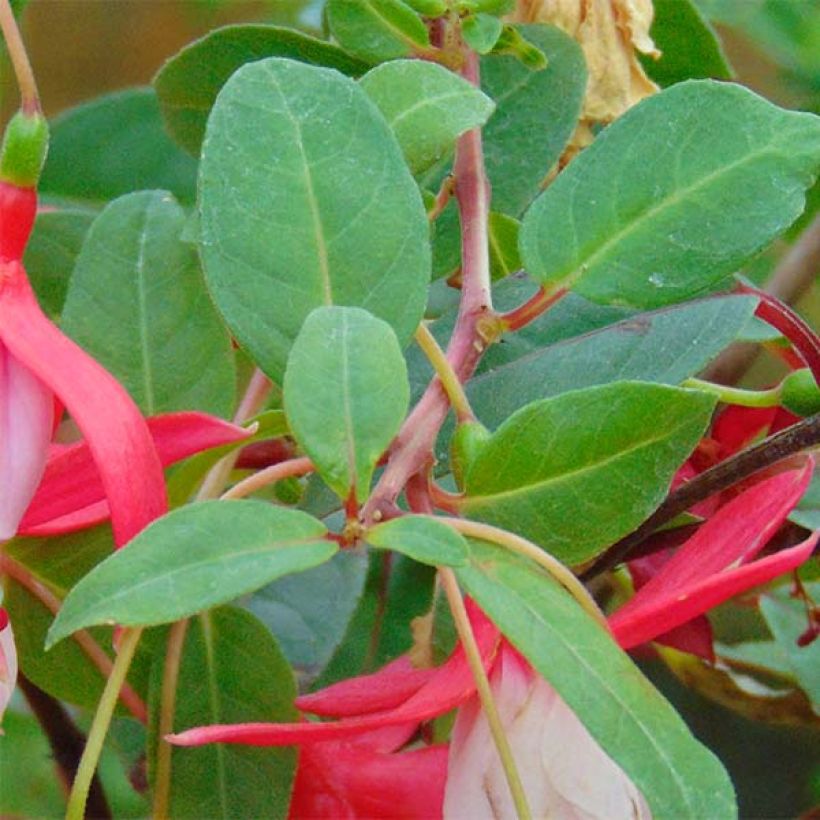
(468, 441)
(23, 153)
(800, 394)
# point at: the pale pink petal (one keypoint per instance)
(8, 663)
(26, 413)
(565, 773)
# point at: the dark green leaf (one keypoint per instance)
(689, 46)
(51, 252)
(307, 201)
(138, 304)
(231, 671)
(191, 559)
(576, 472)
(114, 145)
(536, 113)
(421, 538)
(309, 612)
(346, 394)
(427, 107)
(376, 30)
(676, 194)
(502, 234)
(623, 712)
(189, 82)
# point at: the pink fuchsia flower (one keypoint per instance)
(8, 663)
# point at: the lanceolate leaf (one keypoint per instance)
(576, 472)
(231, 670)
(346, 394)
(306, 201)
(422, 538)
(188, 83)
(666, 346)
(114, 145)
(137, 302)
(376, 30)
(673, 196)
(630, 720)
(191, 559)
(536, 113)
(427, 107)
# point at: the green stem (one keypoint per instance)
(734, 395)
(30, 99)
(482, 683)
(129, 640)
(445, 372)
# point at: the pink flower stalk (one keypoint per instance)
(711, 567)
(8, 663)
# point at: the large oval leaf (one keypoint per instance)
(427, 107)
(138, 304)
(188, 83)
(346, 394)
(307, 201)
(421, 538)
(191, 559)
(625, 714)
(230, 671)
(576, 472)
(673, 196)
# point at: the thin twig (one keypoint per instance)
(270, 475)
(29, 98)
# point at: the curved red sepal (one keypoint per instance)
(18, 207)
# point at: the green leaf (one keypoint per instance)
(309, 613)
(231, 671)
(329, 213)
(191, 559)
(502, 234)
(666, 346)
(376, 30)
(689, 46)
(676, 194)
(189, 82)
(137, 302)
(576, 472)
(427, 107)
(421, 538)
(66, 672)
(52, 251)
(786, 618)
(114, 145)
(481, 31)
(536, 113)
(625, 714)
(807, 512)
(346, 394)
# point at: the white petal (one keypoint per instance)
(26, 419)
(8, 666)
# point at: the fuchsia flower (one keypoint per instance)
(717, 563)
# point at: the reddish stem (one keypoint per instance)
(539, 303)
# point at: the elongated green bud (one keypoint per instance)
(486, 6)
(23, 153)
(800, 394)
(468, 441)
(511, 42)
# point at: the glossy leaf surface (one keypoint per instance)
(675, 195)
(421, 538)
(576, 472)
(328, 215)
(191, 559)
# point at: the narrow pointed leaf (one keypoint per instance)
(577, 472)
(137, 302)
(675, 195)
(194, 558)
(427, 107)
(187, 85)
(329, 215)
(421, 538)
(631, 721)
(221, 685)
(346, 394)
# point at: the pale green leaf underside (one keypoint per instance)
(137, 302)
(631, 721)
(346, 394)
(421, 538)
(194, 558)
(427, 107)
(576, 472)
(306, 201)
(676, 194)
